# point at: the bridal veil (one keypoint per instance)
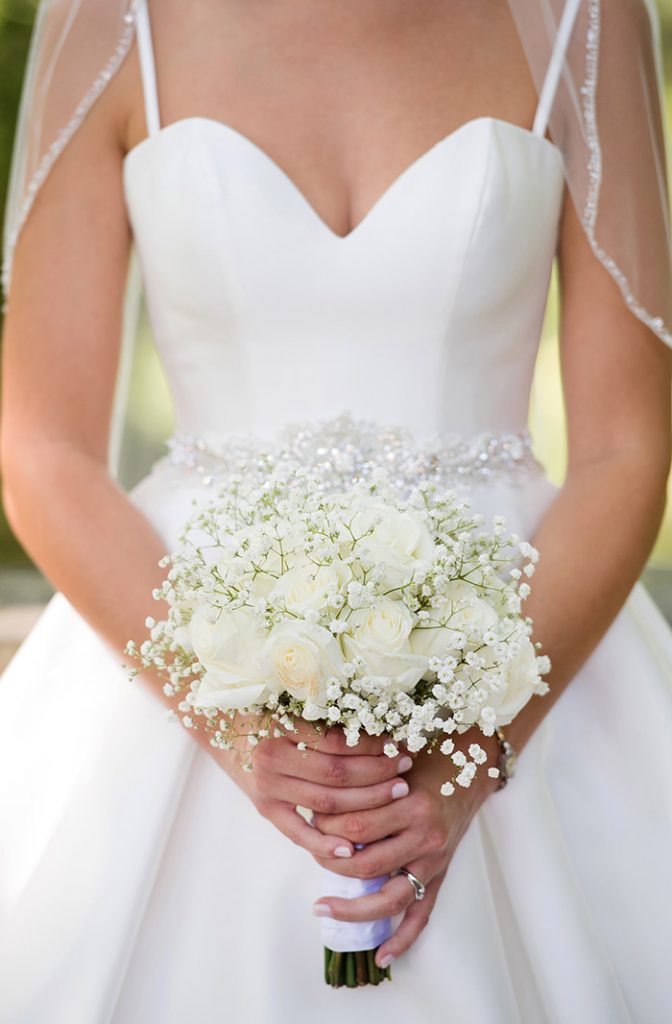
(606, 115)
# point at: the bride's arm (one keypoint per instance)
(593, 542)
(597, 535)
(60, 355)
(599, 531)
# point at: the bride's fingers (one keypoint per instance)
(279, 756)
(369, 825)
(295, 827)
(394, 897)
(332, 740)
(416, 917)
(385, 856)
(331, 800)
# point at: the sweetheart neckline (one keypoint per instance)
(181, 122)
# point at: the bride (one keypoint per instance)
(343, 214)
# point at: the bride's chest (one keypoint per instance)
(222, 232)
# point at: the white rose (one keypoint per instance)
(182, 636)
(520, 679)
(308, 586)
(476, 618)
(298, 658)
(384, 627)
(227, 644)
(464, 610)
(252, 554)
(399, 541)
(432, 641)
(380, 635)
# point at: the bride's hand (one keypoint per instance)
(333, 779)
(419, 832)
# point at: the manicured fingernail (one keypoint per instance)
(386, 961)
(405, 763)
(322, 910)
(342, 851)
(399, 789)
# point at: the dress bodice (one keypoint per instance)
(427, 314)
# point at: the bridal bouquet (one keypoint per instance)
(374, 608)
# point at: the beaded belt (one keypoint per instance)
(343, 450)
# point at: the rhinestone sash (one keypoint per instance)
(343, 450)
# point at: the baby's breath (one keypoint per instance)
(401, 615)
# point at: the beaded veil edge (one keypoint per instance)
(588, 215)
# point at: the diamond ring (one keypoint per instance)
(418, 886)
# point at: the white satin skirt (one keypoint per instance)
(139, 885)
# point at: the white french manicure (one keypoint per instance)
(342, 851)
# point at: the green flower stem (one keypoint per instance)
(353, 969)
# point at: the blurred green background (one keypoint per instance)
(149, 415)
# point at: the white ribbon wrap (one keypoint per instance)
(352, 936)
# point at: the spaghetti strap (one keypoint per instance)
(550, 86)
(148, 69)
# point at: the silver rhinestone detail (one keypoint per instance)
(344, 449)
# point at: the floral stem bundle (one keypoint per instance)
(374, 608)
(353, 969)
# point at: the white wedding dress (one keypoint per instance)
(139, 885)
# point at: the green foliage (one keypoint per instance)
(16, 20)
